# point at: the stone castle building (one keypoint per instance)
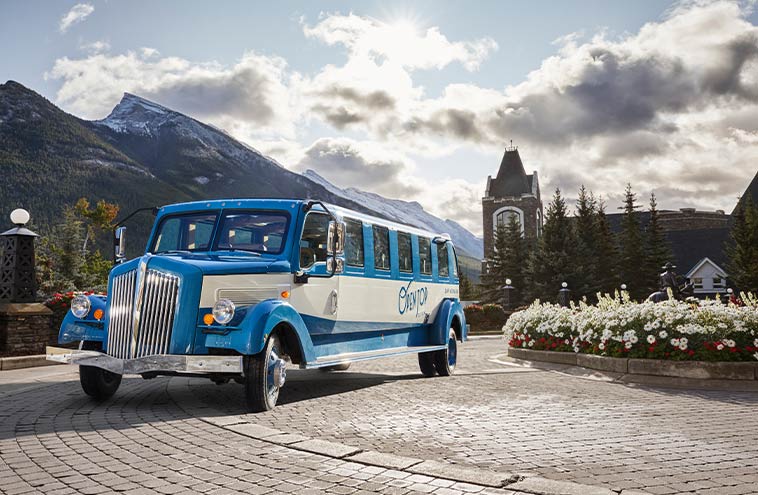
(511, 193)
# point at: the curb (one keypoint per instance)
(623, 371)
(698, 370)
(20, 362)
(525, 483)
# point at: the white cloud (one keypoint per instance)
(95, 47)
(77, 14)
(249, 97)
(399, 43)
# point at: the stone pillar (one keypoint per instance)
(25, 325)
(26, 328)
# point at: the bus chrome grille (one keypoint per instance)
(146, 332)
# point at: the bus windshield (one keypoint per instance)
(261, 232)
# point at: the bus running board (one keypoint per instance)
(351, 357)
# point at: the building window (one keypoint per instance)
(697, 282)
(381, 248)
(503, 216)
(354, 242)
(718, 283)
(425, 255)
(404, 255)
(539, 223)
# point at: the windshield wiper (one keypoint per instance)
(174, 251)
(240, 250)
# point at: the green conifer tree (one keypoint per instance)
(632, 249)
(742, 251)
(514, 260)
(587, 236)
(496, 275)
(606, 254)
(657, 251)
(553, 259)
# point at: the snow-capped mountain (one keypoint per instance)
(145, 154)
(408, 212)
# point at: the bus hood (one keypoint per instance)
(228, 263)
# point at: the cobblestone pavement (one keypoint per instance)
(526, 420)
(505, 418)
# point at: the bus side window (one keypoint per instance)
(354, 242)
(405, 256)
(443, 268)
(381, 248)
(455, 261)
(313, 240)
(425, 255)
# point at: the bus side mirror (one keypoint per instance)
(119, 245)
(335, 239)
(330, 268)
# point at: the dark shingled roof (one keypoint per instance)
(511, 178)
(688, 246)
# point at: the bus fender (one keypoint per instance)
(265, 317)
(449, 311)
(75, 329)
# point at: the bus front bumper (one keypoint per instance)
(147, 364)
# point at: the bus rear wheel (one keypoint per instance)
(265, 374)
(445, 360)
(97, 382)
(426, 363)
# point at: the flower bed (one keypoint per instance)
(617, 327)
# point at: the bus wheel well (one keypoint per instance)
(456, 324)
(290, 342)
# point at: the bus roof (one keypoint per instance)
(291, 204)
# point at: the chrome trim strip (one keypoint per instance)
(166, 363)
(350, 357)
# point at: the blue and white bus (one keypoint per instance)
(240, 289)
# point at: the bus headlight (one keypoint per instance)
(80, 306)
(223, 311)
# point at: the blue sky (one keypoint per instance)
(416, 100)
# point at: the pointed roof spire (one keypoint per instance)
(511, 179)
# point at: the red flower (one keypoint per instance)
(691, 352)
(651, 349)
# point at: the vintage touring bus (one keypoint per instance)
(237, 289)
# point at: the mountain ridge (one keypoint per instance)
(146, 152)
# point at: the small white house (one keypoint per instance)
(707, 277)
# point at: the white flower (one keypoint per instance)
(683, 344)
(675, 342)
(651, 339)
(756, 356)
(729, 343)
(628, 345)
(755, 343)
(663, 334)
(684, 341)
(601, 346)
(634, 339)
(720, 346)
(531, 343)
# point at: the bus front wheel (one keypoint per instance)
(97, 382)
(265, 374)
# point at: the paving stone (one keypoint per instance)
(380, 459)
(331, 449)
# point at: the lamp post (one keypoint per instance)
(564, 295)
(18, 282)
(507, 290)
